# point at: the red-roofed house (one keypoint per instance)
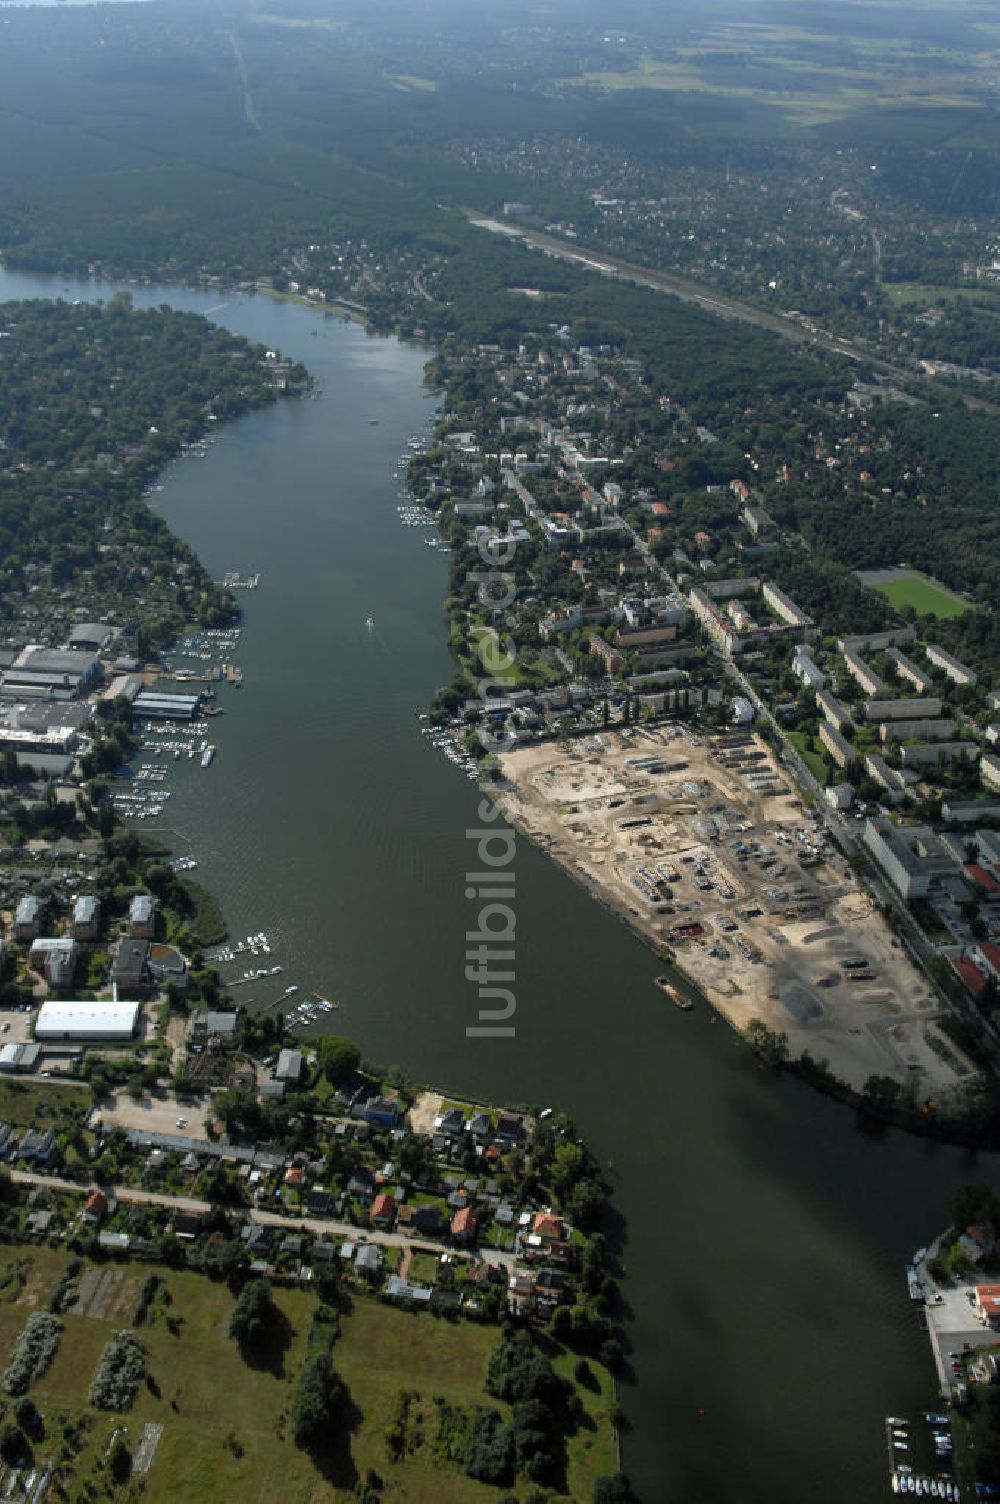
(988, 1303)
(96, 1208)
(295, 1176)
(973, 978)
(989, 955)
(549, 1228)
(384, 1211)
(464, 1226)
(983, 880)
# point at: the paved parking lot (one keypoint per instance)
(954, 1317)
(14, 1026)
(953, 1326)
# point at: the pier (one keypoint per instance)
(236, 581)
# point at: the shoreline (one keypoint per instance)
(940, 1130)
(773, 981)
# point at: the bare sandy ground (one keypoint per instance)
(425, 1110)
(155, 1114)
(671, 830)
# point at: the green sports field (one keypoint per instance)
(926, 596)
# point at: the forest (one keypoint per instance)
(95, 399)
(328, 150)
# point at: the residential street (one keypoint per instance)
(315, 1225)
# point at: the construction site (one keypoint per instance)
(704, 847)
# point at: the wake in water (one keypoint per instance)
(377, 637)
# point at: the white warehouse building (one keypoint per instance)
(87, 1021)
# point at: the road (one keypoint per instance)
(250, 114)
(726, 307)
(839, 829)
(315, 1225)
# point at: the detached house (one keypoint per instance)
(549, 1228)
(38, 1148)
(383, 1213)
(464, 1226)
(96, 1208)
(381, 1112)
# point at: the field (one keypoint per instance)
(33, 1104)
(812, 77)
(908, 587)
(225, 1429)
(927, 295)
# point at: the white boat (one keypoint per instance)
(370, 623)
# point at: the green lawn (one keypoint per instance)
(814, 761)
(591, 1452)
(205, 1396)
(424, 1268)
(225, 1425)
(382, 1350)
(923, 294)
(33, 1104)
(926, 596)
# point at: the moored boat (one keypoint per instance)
(677, 998)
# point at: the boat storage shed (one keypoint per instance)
(87, 1021)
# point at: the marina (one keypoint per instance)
(412, 515)
(255, 976)
(921, 1462)
(254, 945)
(453, 750)
(233, 580)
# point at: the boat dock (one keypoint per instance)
(921, 1460)
(254, 945)
(255, 976)
(236, 581)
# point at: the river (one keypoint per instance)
(766, 1236)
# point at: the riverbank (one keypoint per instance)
(717, 878)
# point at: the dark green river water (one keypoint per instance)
(765, 1236)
